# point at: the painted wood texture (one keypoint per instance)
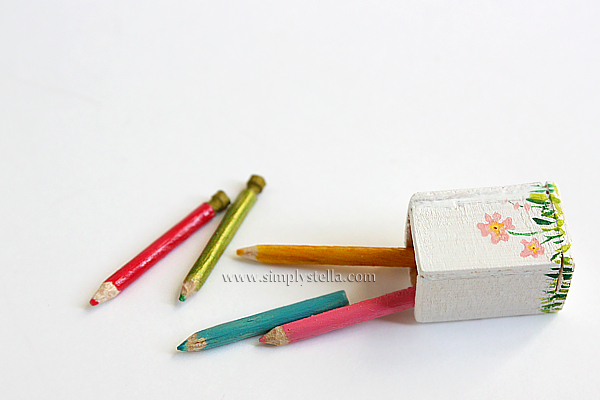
(131, 271)
(489, 252)
(261, 323)
(220, 239)
(341, 317)
(330, 255)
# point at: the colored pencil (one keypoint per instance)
(131, 271)
(259, 324)
(330, 255)
(340, 317)
(220, 239)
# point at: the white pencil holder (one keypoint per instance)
(489, 252)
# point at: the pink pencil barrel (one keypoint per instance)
(341, 317)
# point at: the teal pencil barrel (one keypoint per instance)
(259, 324)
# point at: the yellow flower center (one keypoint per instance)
(495, 228)
(533, 247)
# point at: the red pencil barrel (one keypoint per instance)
(161, 247)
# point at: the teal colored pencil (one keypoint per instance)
(259, 324)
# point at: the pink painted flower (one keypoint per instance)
(516, 206)
(532, 248)
(495, 228)
(527, 207)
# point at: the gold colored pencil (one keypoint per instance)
(330, 255)
(215, 247)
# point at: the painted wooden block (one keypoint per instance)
(489, 252)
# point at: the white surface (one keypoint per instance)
(118, 118)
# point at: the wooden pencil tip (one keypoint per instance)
(192, 344)
(275, 336)
(248, 252)
(107, 291)
(188, 289)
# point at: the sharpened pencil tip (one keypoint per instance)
(276, 337)
(187, 289)
(192, 344)
(107, 291)
(248, 252)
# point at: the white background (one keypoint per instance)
(117, 118)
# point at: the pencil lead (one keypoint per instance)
(107, 291)
(248, 252)
(192, 343)
(275, 336)
(188, 289)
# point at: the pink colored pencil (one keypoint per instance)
(159, 248)
(340, 317)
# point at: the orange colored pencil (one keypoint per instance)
(330, 255)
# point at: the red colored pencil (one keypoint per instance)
(159, 248)
(340, 317)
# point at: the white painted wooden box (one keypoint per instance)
(489, 252)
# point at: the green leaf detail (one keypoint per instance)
(523, 233)
(536, 201)
(551, 223)
(558, 209)
(567, 260)
(539, 196)
(549, 238)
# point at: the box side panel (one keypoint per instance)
(482, 297)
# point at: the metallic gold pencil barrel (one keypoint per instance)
(220, 239)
